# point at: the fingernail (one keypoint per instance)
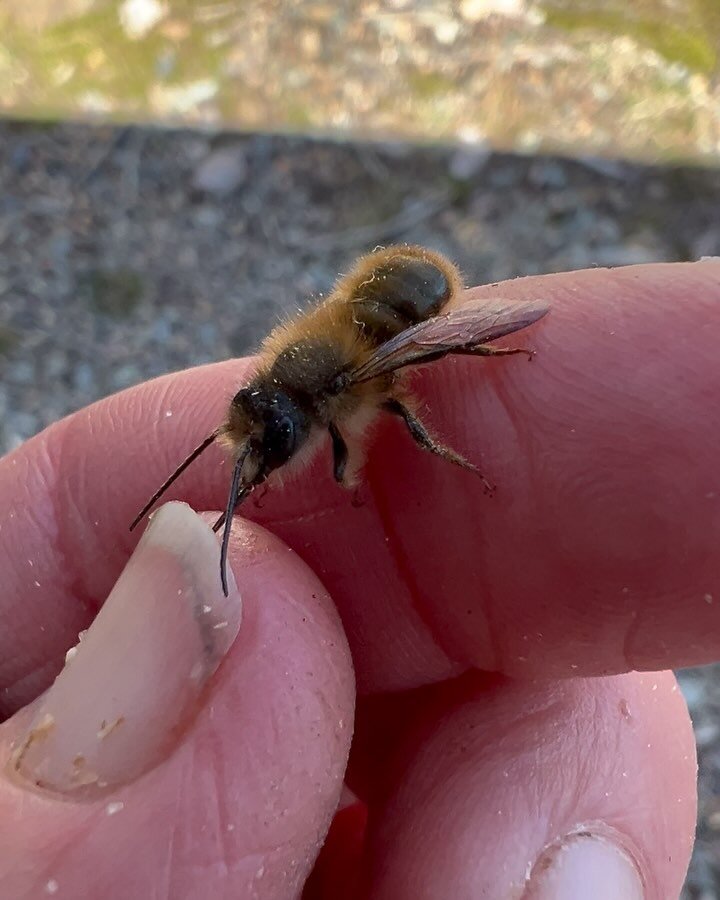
(133, 682)
(584, 865)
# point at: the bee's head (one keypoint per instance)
(271, 424)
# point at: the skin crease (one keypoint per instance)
(597, 555)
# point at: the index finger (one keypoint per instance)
(597, 555)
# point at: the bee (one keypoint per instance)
(334, 368)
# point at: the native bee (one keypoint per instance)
(334, 368)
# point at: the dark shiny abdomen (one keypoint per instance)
(398, 294)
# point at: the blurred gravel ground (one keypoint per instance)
(125, 253)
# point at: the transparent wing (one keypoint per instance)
(459, 331)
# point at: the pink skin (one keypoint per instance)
(597, 556)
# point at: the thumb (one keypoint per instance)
(193, 745)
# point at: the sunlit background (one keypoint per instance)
(175, 175)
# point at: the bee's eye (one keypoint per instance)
(286, 435)
(279, 441)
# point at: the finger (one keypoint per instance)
(64, 534)
(579, 788)
(154, 766)
(600, 554)
(596, 555)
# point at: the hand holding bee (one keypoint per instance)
(335, 367)
(489, 759)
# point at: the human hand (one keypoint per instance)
(597, 556)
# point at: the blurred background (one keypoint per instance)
(174, 175)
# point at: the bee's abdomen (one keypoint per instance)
(398, 293)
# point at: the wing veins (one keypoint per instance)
(472, 325)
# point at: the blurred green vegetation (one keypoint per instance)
(586, 76)
(90, 64)
(688, 34)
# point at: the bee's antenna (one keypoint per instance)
(180, 469)
(236, 495)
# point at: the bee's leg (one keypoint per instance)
(239, 497)
(340, 453)
(219, 523)
(424, 439)
(484, 350)
(258, 500)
